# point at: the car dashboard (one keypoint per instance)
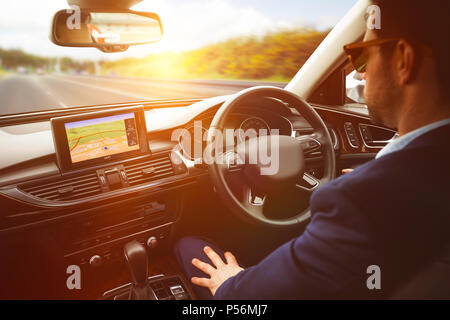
(71, 219)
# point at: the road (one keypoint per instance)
(31, 92)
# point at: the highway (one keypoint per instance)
(32, 92)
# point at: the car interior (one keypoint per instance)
(118, 216)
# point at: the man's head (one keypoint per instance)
(415, 66)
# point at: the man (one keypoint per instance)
(391, 215)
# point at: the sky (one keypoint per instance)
(188, 24)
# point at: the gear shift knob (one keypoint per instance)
(136, 256)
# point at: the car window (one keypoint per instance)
(354, 87)
(209, 48)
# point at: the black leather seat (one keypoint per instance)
(433, 282)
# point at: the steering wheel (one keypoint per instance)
(258, 181)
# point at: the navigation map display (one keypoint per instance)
(102, 137)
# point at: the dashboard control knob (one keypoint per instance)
(96, 260)
(152, 242)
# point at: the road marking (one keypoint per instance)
(54, 98)
(115, 91)
(174, 86)
(36, 79)
(63, 105)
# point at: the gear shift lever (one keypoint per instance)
(136, 257)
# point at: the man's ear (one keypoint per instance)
(406, 63)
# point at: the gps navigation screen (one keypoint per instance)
(101, 137)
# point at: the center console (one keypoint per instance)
(163, 287)
(122, 232)
(96, 243)
(97, 240)
(143, 287)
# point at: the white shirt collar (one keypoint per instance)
(400, 142)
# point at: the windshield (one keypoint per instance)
(209, 48)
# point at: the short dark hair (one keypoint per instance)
(422, 21)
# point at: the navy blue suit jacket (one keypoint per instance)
(393, 212)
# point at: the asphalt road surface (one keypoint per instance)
(31, 92)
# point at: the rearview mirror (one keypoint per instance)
(107, 30)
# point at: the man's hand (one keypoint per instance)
(218, 275)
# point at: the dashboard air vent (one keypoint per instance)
(65, 188)
(84, 185)
(145, 171)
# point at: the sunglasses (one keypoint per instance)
(358, 55)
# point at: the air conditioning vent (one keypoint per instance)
(65, 188)
(84, 185)
(145, 171)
